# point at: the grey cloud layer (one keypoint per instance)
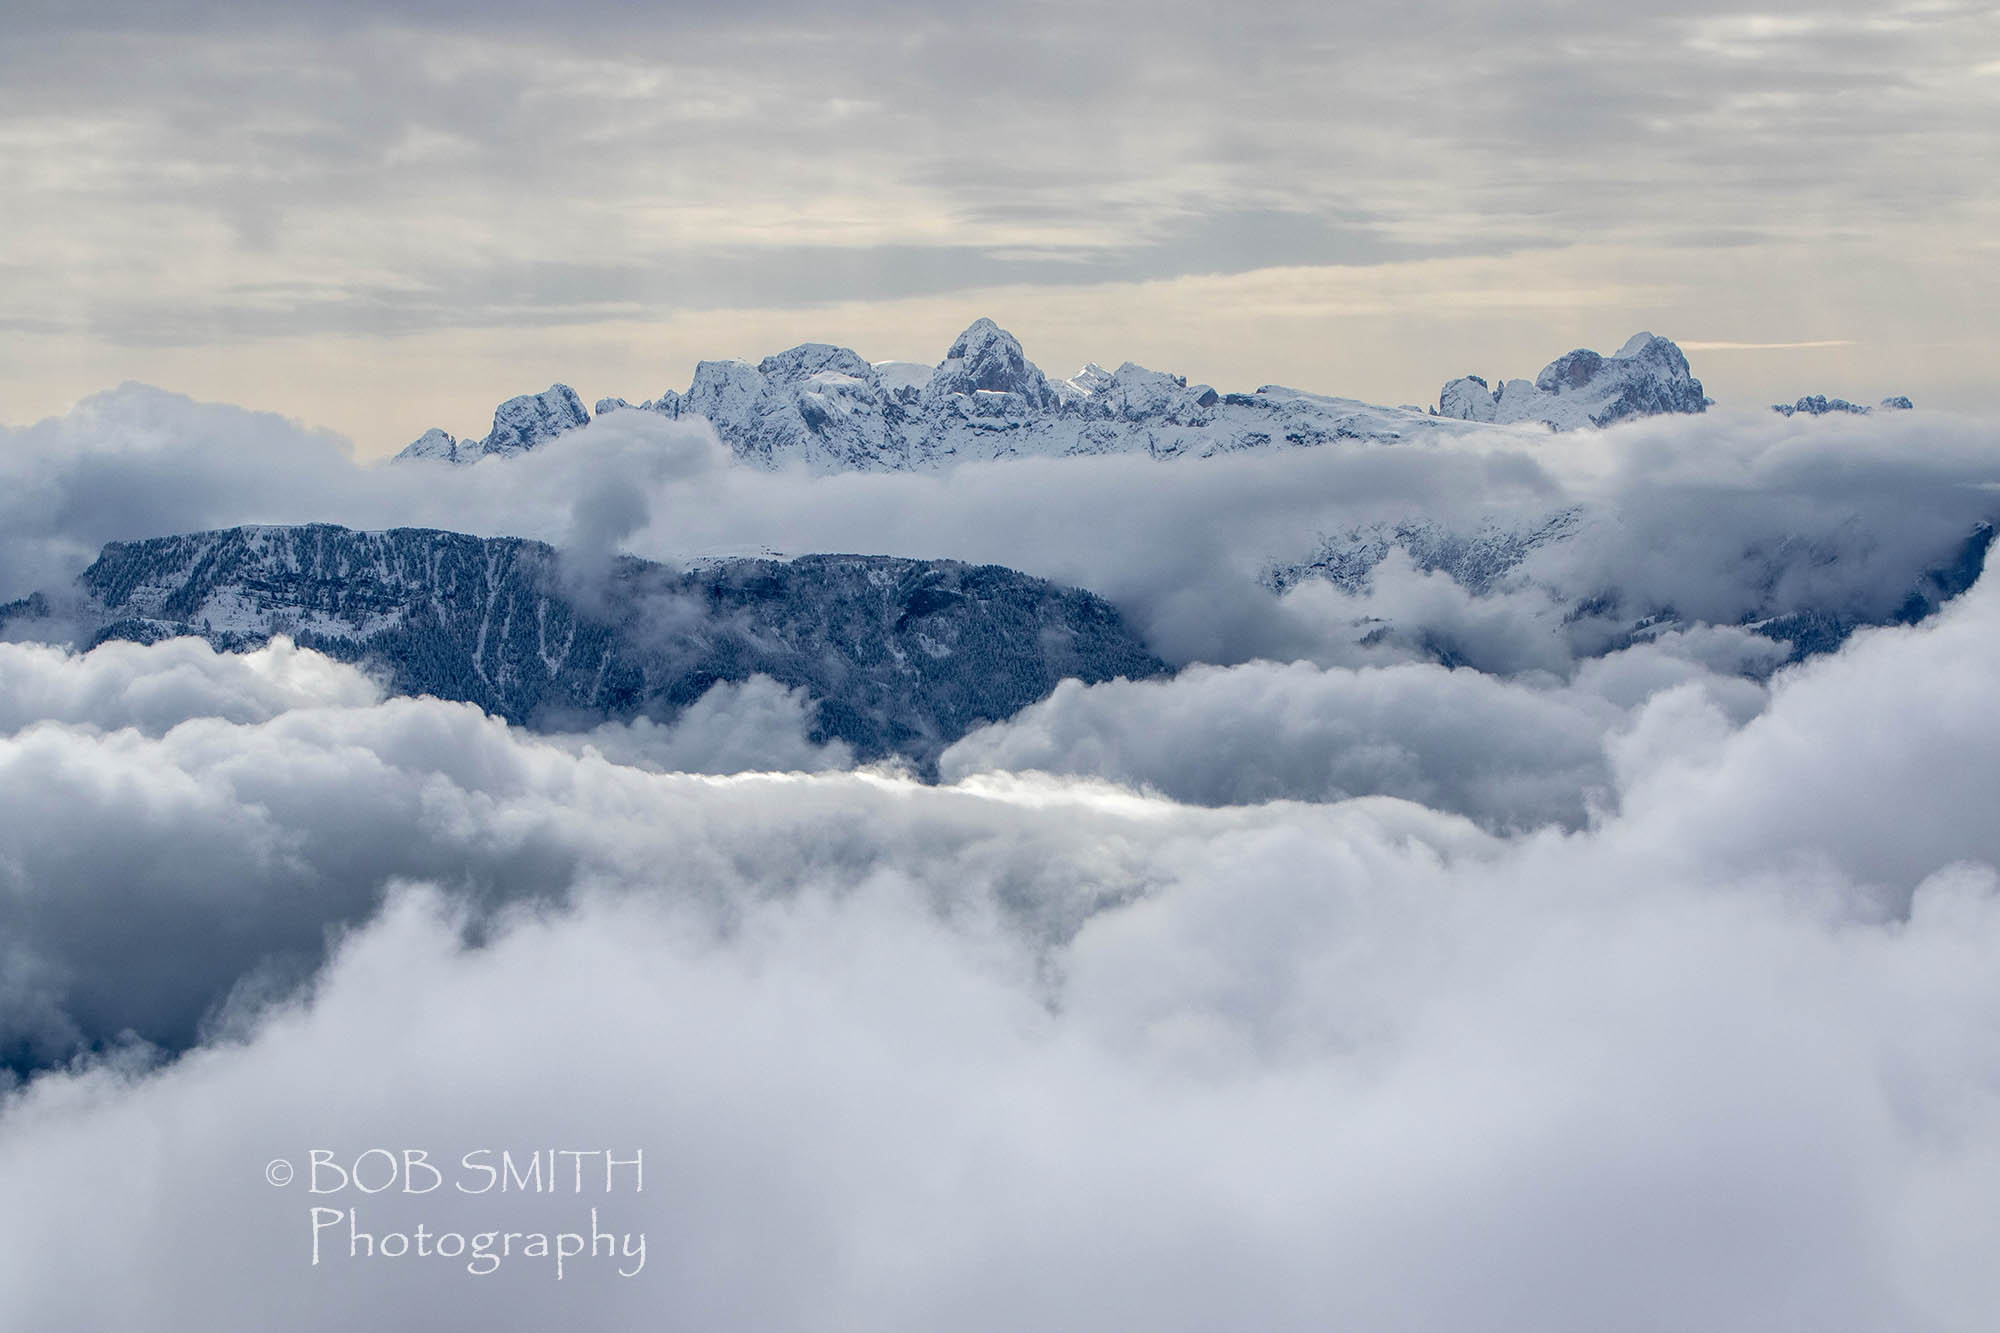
(1507, 754)
(889, 1048)
(1710, 517)
(1625, 956)
(214, 171)
(136, 905)
(1716, 518)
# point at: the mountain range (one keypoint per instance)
(901, 657)
(1648, 376)
(828, 409)
(1603, 618)
(1819, 405)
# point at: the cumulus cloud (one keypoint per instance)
(756, 725)
(182, 820)
(1506, 753)
(1039, 1051)
(154, 687)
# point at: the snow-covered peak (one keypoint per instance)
(824, 408)
(1649, 375)
(519, 424)
(903, 380)
(1639, 344)
(801, 363)
(723, 386)
(988, 359)
(433, 443)
(815, 405)
(1131, 376)
(985, 343)
(1093, 378)
(522, 423)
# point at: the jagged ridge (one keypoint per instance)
(519, 424)
(1819, 405)
(1648, 376)
(827, 409)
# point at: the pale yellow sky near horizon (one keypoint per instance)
(1387, 333)
(378, 218)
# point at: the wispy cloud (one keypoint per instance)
(1703, 346)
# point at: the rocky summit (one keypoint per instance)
(900, 657)
(519, 424)
(1648, 376)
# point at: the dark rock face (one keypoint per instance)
(988, 359)
(902, 656)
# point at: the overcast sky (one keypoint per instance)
(380, 218)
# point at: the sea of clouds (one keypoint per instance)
(1715, 516)
(1317, 986)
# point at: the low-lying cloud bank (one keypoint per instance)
(1712, 519)
(1031, 1051)
(1505, 753)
